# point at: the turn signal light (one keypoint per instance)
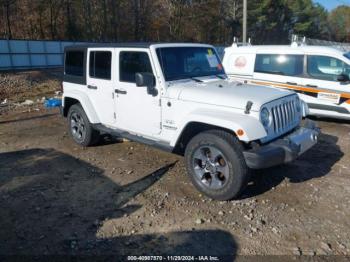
(240, 132)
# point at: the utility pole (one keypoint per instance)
(244, 21)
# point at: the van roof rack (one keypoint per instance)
(298, 41)
(236, 42)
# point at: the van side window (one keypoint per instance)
(100, 64)
(288, 65)
(74, 63)
(326, 68)
(131, 63)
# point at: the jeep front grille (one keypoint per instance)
(285, 116)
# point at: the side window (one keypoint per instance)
(326, 68)
(288, 65)
(74, 63)
(100, 64)
(131, 63)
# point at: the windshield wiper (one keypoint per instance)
(196, 80)
(220, 76)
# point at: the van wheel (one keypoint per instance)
(216, 165)
(80, 127)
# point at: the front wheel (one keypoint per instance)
(216, 165)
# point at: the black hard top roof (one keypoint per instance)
(126, 44)
(138, 44)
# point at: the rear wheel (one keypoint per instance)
(216, 165)
(80, 127)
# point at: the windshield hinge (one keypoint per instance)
(160, 102)
(248, 107)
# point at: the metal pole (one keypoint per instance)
(244, 21)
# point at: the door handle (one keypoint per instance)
(121, 92)
(308, 85)
(92, 87)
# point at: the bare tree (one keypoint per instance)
(115, 4)
(8, 5)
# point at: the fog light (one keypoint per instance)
(314, 137)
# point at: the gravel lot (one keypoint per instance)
(127, 198)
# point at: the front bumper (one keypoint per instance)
(285, 149)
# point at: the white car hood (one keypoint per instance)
(224, 93)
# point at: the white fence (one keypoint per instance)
(28, 54)
(342, 46)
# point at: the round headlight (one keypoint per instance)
(265, 117)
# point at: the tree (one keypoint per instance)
(268, 21)
(72, 30)
(212, 21)
(8, 11)
(339, 20)
(308, 19)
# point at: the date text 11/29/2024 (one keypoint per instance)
(173, 258)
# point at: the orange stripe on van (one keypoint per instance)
(300, 88)
(348, 101)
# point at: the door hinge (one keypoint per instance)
(113, 95)
(160, 102)
(114, 115)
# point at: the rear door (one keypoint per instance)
(100, 83)
(136, 110)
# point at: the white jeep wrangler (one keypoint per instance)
(177, 97)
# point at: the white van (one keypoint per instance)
(319, 74)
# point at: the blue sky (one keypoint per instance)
(330, 4)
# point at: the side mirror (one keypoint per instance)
(343, 78)
(148, 80)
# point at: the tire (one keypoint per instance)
(80, 127)
(216, 165)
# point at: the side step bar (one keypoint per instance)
(120, 133)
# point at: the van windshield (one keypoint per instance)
(188, 62)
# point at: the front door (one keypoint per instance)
(136, 110)
(100, 83)
(323, 72)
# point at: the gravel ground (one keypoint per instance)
(126, 198)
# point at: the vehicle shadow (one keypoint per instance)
(316, 162)
(53, 203)
(329, 120)
(28, 118)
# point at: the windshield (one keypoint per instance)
(187, 62)
(347, 55)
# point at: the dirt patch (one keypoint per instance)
(33, 85)
(126, 198)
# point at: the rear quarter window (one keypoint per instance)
(74, 63)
